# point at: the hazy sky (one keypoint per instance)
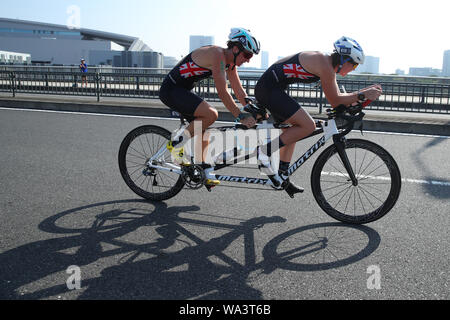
(402, 33)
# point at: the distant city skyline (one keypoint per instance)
(264, 59)
(446, 64)
(164, 26)
(371, 65)
(197, 41)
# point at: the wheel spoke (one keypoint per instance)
(136, 149)
(371, 198)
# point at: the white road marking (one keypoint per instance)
(177, 119)
(416, 181)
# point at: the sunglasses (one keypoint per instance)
(355, 65)
(247, 55)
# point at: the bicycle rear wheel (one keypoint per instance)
(378, 188)
(135, 151)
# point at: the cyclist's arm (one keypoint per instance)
(331, 90)
(236, 85)
(220, 80)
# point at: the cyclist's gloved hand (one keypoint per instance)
(250, 100)
(246, 119)
(371, 93)
(256, 112)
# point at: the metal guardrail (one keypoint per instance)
(145, 83)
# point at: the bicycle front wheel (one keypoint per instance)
(135, 151)
(377, 190)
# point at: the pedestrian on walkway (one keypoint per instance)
(84, 70)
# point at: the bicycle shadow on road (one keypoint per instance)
(134, 249)
(320, 247)
(436, 186)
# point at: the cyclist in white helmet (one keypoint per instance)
(202, 63)
(307, 67)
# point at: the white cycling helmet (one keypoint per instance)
(245, 38)
(347, 47)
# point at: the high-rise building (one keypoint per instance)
(371, 65)
(446, 64)
(170, 62)
(264, 60)
(424, 72)
(196, 42)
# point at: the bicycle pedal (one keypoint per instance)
(212, 183)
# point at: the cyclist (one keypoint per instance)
(306, 67)
(204, 62)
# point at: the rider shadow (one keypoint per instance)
(156, 257)
(185, 274)
(99, 224)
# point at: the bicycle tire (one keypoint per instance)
(374, 168)
(132, 164)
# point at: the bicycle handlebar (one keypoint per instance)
(356, 113)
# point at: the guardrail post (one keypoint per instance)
(97, 86)
(13, 84)
(137, 82)
(75, 80)
(423, 94)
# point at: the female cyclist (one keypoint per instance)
(307, 67)
(204, 62)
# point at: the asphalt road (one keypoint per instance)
(63, 203)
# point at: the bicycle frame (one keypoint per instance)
(356, 162)
(328, 127)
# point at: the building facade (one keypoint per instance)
(264, 60)
(371, 65)
(446, 64)
(425, 72)
(60, 45)
(196, 42)
(14, 58)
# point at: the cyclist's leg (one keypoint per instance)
(302, 125)
(286, 110)
(205, 115)
(198, 112)
(271, 96)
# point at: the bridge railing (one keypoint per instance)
(145, 83)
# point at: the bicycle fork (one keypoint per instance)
(339, 142)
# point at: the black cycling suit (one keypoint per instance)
(270, 89)
(175, 91)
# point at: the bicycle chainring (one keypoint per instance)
(194, 176)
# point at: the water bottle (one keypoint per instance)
(228, 155)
